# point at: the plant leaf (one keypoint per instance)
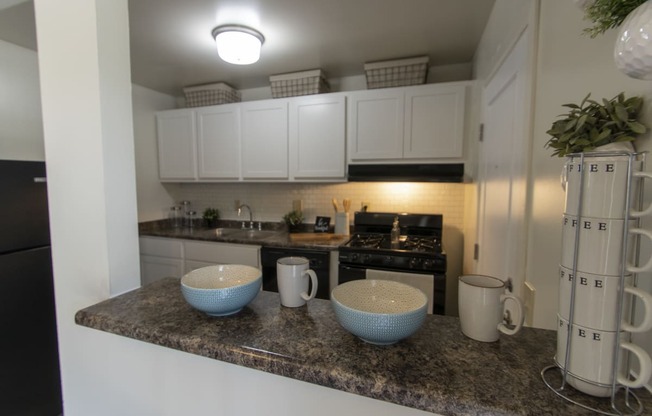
(637, 127)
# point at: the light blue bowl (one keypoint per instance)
(223, 289)
(380, 312)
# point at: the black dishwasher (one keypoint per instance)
(319, 263)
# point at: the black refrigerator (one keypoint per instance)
(29, 360)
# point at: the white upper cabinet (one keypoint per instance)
(434, 122)
(218, 142)
(177, 153)
(420, 123)
(318, 137)
(264, 139)
(376, 124)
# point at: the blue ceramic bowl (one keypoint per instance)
(223, 289)
(380, 312)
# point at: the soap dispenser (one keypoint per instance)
(395, 235)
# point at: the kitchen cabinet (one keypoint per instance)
(169, 257)
(201, 254)
(317, 137)
(160, 258)
(264, 139)
(177, 152)
(411, 124)
(218, 142)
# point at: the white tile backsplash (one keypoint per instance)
(270, 201)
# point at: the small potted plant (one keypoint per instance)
(590, 124)
(210, 216)
(293, 220)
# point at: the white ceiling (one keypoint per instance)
(171, 44)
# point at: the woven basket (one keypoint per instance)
(397, 73)
(211, 94)
(299, 83)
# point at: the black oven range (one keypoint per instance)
(418, 260)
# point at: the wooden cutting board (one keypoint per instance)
(316, 237)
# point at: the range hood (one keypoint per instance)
(433, 172)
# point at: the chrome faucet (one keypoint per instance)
(251, 220)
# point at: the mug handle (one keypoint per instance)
(645, 366)
(646, 298)
(520, 318)
(313, 278)
(647, 266)
(648, 210)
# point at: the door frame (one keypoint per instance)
(518, 269)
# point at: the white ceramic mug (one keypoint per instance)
(592, 354)
(600, 245)
(605, 187)
(294, 275)
(596, 301)
(481, 304)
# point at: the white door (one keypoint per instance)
(264, 140)
(375, 124)
(176, 136)
(317, 137)
(434, 122)
(218, 142)
(503, 165)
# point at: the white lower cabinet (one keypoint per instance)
(153, 268)
(169, 257)
(200, 254)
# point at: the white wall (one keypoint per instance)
(21, 132)
(153, 197)
(84, 58)
(569, 66)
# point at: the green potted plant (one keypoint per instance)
(590, 125)
(293, 220)
(606, 14)
(210, 216)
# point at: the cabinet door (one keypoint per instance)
(376, 124)
(264, 139)
(434, 122)
(176, 144)
(317, 137)
(153, 268)
(221, 253)
(218, 142)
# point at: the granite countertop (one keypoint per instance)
(437, 369)
(281, 238)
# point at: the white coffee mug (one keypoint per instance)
(592, 354)
(600, 245)
(481, 305)
(294, 275)
(596, 301)
(605, 187)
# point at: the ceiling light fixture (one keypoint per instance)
(237, 44)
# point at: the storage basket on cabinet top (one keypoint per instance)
(396, 73)
(211, 94)
(299, 83)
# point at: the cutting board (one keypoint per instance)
(315, 237)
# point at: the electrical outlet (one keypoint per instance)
(297, 205)
(236, 205)
(528, 302)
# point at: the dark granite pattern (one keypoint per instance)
(437, 369)
(161, 228)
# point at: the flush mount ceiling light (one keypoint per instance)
(237, 44)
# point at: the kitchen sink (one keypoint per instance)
(255, 234)
(245, 234)
(227, 232)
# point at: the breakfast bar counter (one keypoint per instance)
(438, 369)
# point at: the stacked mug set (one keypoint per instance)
(597, 258)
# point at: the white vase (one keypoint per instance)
(633, 51)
